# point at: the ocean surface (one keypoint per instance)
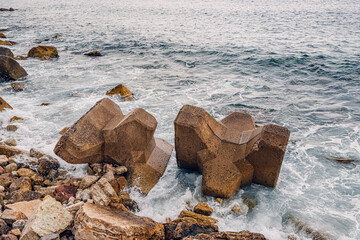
(293, 63)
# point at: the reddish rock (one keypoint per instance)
(231, 153)
(63, 193)
(10, 69)
(43, 52)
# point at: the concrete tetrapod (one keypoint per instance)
(231, 153)
(105, 134)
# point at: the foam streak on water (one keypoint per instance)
(293, 63)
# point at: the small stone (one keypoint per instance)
(63, 193)
(25, 172)
(15, 232)
(23, 184)
(10, 216)
(15, 118)
(47, 182)
(53, 174)
(203, 208)
(47, 191)
(120, 170)
(46, 164)
(2, 189)
(97, 168)
(2, 35)
(89, 171)
(3, 160)
(11, 167)
(4, 228)
(17, 86)
(37, 179)
(239, 209)
(45, 103)
(102, 192)
(21, 58)
(87, 181)
(109, 168)
(64, 130)
(74, 207)
(14, 174)
(219, 200)
(10, 142)
(36, 153)
(121, 90)
(11, 128)
(8, 43)
(251, 203)
(8, 237)
(93, 54)
(19, 196)
(56, 36)
(19, 224)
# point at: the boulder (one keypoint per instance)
(99, 135)
(243, 235)
(100, 222)
(203, 208)
(231, 153)
(93, 54)
(49, 217)
(2, 35)
(10, 216)
(46, 164)
(11, 128)
(199, 218)
(10, 69)
(18, 87)
(26, 207)
(6, 52)
(43, 51)
(180, 230)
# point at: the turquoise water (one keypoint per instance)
(293, 63)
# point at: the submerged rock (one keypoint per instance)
(122, 91)
(100, 222)
(43, 52)
(231, 153)
(18, 87)
(10, 69)
(6, 52)
(93, 54)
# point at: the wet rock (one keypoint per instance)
(251, 203)
(36, 153)
(4, 228)
(10, 142)
(342, 160)
(19, 224)
(23, 184)
(56, 36)
(4, 105)
(50, 217)
(239, 209)
(306, 228)
(219, 200)
(19, 196)
(46, 164)
(45, 103)
(52, 236)
(6, 52)
(202, 219)
(122, 91)
(203, 208)
(63, 193)
(181, 230)
(11, 167)
(64, 130)
(11, 128)
(10, 216)
(98, 137)
(10, 151)
(93, 54)
(102, 192)
(20, 58)
(243, 235)
(17, 87)
(2, 35)
(122, 182)
(100, 222)
(11, 69)
(7, 9)
(45, 52)
(15, 118)
(7, 43)
(231, 153)
(87, 181)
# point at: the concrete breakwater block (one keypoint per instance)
(231, 153)
(105, 134)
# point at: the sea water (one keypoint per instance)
(292, 63)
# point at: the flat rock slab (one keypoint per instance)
(104, 223)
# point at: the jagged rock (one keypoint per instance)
(49, 217)
(74, 207)
(11, 69)
(6, 52)
(10, 151)
(4, 228)
(6, 179)
(63, 193)
(231, 153)
(15, 232)
(199, 218)
(100, 222)
(87, 181)
(2, 35)
(23, 184)
(122, 91)
(102, 192)
(181, 230)
(99, 135)
(47, 191)
(19, 224)
(243, 235)
(11, 128)
(203, 208)
(8, 43)
(46, 164)
(93, 54)
(36, 153)
(25, 172)
(4, 104)
(17, 87)
(43, 52)
(10, 142)
(19, 196)
(10, 216)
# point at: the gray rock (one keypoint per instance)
(53, 236)
(19, 224)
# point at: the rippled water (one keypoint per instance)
(293, 63)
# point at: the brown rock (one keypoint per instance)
(10, 216)
(43, 51)
(8, 43)
(7, 9)
(26, 207)
(64, 130)
(45, 103)
(181, 230)
(46, 164)
(202, 219)
(231, 153)
(4, 104)
(239, 209)
(11, 128)
(2, 35)
(37, 179)
(11, 167)
(8, 237)
(15, 118)
(93, 54)
(17, 87)
(102, 192)
(10, 151)
(10, 142)
(122, 182)
(6, 179)
(87, 181)
(4, 228)
(20, 58)
(243, 235)
(203, 208)
(251, 203)
(100, 222)
(25, 172)
(121, 90)
(15, 232)
(63, 193)
(6, 52)
(23, 184)
(36, 153)
(10, 69)
(3, 160)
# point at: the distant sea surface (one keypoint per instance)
(292, 63)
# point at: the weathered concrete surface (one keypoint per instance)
(104, 134)
(100, 222)
(231, 153)
(10, 69)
